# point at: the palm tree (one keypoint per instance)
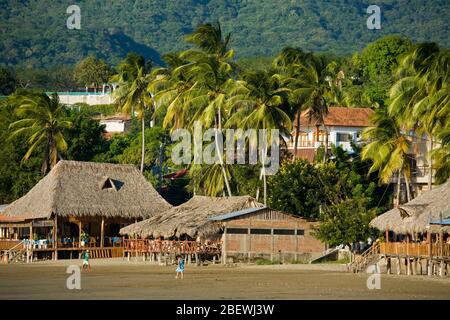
(197, 90)
(42, 121)
(442, 155)
(387, 146)
(289, 63)
(313, 90)
(132, 95)
(260, 101)
(421, 97)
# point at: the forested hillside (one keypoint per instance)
(34, 33)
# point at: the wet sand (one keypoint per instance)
(117, 279)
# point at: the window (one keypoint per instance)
(237, 231)
(260, 231)
(300, 232)
(284, 231)
(343, 137)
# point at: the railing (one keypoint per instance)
(8, 244)
(16, 248)
(169, 246)
(415, 249)
(366, 258)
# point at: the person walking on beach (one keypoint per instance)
(180, 267)
(85, 257)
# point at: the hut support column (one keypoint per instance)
(102, 233)
(272, 245)
(430, 263)
(55, 238)
(408, 260)
(80, 230)
(224, 246)
(388, 266)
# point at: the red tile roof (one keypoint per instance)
(341, 117)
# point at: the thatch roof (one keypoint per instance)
(190, 218)
(416, 215)
(90, 189)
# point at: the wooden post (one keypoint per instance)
(430, 254)
(249, 239)
(80, 227)
(388, 266)
(272, 245)
(408, 261)
(102, 233)
(399, 270)
(296, 242)
(387, 235)
(224, 246)
(55, 237)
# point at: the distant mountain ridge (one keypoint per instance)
(33, 33)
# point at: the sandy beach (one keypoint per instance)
(118, 279)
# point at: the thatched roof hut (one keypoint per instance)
(417, 214)
(190, 218)
(74, 188)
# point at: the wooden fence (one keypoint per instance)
(8, 244)
(168, 246)
(415, 249)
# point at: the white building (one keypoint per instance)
(118, 123)
(343, 126)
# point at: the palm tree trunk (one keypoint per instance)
(257, 189)
(430, 164)
(326, 145)
(408, 191)
(264, 179)
(143, 143)
(399, 177)
(297, 132)
(219, 155)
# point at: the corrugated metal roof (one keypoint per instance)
(444, 222)
(235, 214)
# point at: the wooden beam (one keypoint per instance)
(80, 227)
(430, 247)
(55, 237)
(224, 245)
(102, 232)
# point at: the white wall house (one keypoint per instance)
(119, 123)
(343, 125)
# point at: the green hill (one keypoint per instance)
(34, 33)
